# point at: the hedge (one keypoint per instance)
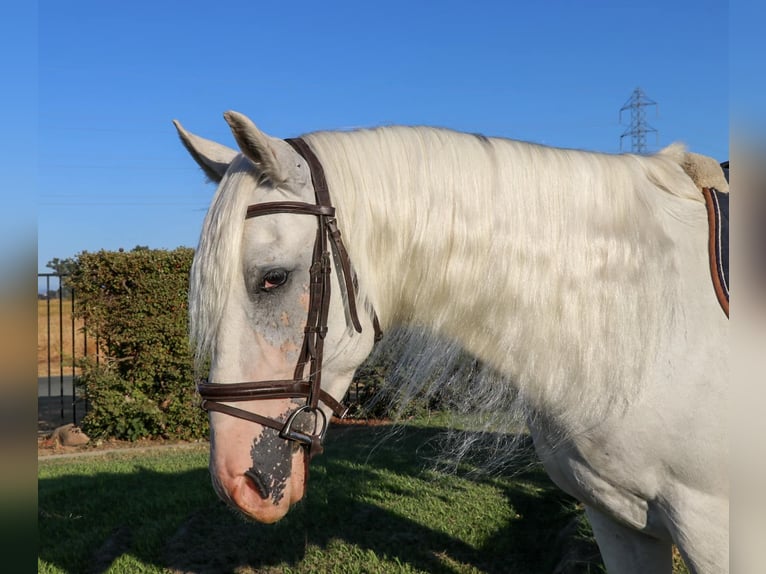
(135, 303)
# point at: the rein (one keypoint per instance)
(214, 395)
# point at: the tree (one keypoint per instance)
(64, 268)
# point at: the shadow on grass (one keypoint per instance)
(174, 521)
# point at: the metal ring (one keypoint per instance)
(288, 433)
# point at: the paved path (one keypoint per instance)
(53, 410)
(52, 387)
(200, 445)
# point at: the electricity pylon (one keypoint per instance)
(637, 104)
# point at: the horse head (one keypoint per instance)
(261, 313)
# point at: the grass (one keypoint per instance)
(373, 506)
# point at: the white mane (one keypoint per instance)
(541, 262)
(216, 261)
(520, 252)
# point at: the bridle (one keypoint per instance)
(214, 395)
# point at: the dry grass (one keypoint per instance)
(56, 340)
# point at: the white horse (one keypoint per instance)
(581, 277)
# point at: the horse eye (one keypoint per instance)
(273, 279)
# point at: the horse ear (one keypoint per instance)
(212, 157)
(261, 149)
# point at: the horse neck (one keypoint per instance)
(521, 253)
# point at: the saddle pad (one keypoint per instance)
(717, 204)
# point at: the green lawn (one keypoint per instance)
(373, 506)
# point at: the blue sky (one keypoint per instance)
(112, 75)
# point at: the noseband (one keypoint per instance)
(214, 395)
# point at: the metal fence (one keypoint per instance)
(62, 343)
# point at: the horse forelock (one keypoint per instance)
(217, 260)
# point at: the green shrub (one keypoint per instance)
(135, 304)
(118, 408)
(365, 400)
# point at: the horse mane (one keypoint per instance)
(463, 236)
(498, 283)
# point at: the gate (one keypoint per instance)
(61, 343)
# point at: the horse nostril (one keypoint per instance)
(258, 482)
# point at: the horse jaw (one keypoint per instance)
(255, 471)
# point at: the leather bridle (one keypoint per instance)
(214, 395)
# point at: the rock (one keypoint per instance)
(69, 435)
